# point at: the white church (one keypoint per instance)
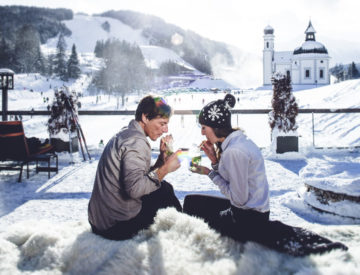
(306, 65)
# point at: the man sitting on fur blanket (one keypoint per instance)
(128, 192)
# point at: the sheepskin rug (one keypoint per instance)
(175, 244)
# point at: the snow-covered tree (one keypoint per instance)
(353, 72)
(40, 63)
(124, 71)
(27, 49)
(60, 59)
(106, 26)
(50, 64)
(64, 102)
(73, 64)
(284, 106)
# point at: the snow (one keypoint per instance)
(43, 222)
(155, 55)
(86, 30)
(213, 83)
(309, 45)
(6, 71)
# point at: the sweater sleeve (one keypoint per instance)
(235, 169)
(137, 178)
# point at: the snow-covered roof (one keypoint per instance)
(311, 47)
(268, 30)
(307, 45)
(6, 71)
(310, 28)
(283, 57)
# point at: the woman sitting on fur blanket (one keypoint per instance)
(238, 170)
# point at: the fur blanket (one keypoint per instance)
(175, 244)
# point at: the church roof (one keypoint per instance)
(310, 28)
(268, 30)
(310, 45)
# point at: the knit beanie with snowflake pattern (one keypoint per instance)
(216, 114)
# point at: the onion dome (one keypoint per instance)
(268, 30)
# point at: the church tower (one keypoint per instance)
(310, 33)
(268, 55)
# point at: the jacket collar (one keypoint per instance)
(133, 124)
(228, 139)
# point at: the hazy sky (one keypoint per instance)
(237, 22)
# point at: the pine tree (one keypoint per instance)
(6, 55)
(99, 49)
(50, 64)
(40, 63)
(284, 106)
(73, 64)
(27, 48)
(59, 62)
(353, 72)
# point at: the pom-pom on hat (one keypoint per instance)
(216, 114)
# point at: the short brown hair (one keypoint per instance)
(152, 107)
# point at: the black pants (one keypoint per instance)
(241, 225)
(250, 225)
(162, 198)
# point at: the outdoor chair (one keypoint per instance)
(15, 151)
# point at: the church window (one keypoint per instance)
(267, 45)
(321, 73)
(307, 73)
(321, 61)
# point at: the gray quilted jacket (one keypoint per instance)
(123, 176)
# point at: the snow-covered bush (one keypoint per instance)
(60, 120)
(284, 107)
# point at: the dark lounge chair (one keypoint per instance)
(15, 151)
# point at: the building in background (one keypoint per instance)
(307, 65)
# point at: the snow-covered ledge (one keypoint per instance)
(337, 192)
(320, 200)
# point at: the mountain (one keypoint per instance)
(159, 41)
(241, 70)
(46, 21)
